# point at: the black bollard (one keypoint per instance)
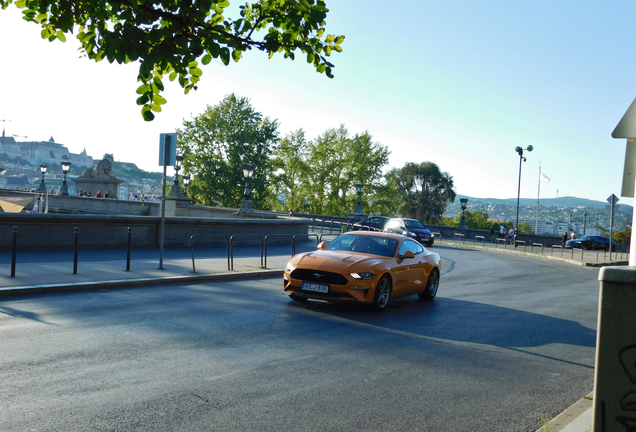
(75, 256)
(128, 256)
(15, 250)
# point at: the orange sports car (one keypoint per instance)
(364, 267)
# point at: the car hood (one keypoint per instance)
(336, 260)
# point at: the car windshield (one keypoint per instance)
(366, 244)
(413, 224)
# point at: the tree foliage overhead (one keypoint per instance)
(423, 189)
(216, 143)
(169, 37)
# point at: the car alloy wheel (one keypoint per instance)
(382, 293)
(431, 286)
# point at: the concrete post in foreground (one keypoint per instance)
(615, 372)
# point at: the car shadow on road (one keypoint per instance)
(466, 321)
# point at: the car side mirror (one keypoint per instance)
(322, 245)
(407, 254)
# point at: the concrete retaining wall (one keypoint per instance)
(56, 231)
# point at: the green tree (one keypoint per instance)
(623, 237)
(424, 190)
(525, 227)
(319, 176)
(215, 145)
(168, 37)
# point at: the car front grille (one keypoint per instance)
(319, 277)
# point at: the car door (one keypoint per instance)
(409, 272)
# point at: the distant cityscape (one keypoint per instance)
(554, 216)
(22, 160)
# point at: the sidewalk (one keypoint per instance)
(52, 272)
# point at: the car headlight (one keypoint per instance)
(411, 234)
(290, 268)
(363, 276)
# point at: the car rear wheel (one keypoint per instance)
(294, 297)
(431, 286)
(382, 293)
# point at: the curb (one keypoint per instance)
(131, 283)
(569, 415)
(539, 256)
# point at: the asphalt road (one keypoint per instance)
(507, 339)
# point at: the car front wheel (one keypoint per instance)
(382, 293)
(431, 286)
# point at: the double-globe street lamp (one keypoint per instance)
(66, 166)
(176, 188)
(186, 182)
(520, 150)
(246, 202)
(462, 222)
(42, 187)
(358, 209)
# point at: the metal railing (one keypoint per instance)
(227, 247)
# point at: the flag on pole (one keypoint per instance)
(543, 178)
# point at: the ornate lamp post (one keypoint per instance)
(358, 209)
(66, 166)
(176, 188)
(186, 182)
(42, 187)
(462, 222)
(520, 150)
(246, 202)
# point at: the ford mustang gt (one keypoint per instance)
(363, 267)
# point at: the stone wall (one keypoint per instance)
(56, 231)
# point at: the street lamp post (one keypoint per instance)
(462, 222)
(66, 166)
(358, 209)
(584, 222)
(520, 150)
(246, 202)
(186, 182)
(176, 188)
(42, 187)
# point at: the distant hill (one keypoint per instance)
(571, 202)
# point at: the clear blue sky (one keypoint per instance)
(459, 83)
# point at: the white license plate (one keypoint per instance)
(321, 288)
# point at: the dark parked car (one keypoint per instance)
(590, 242)
(375, 223)
(410, 228)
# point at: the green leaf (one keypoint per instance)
(173, 76)
(147, 115)
(206, 59)
(144, 88)
(310, 57)
(321, 68)
(236, 55)
(339, 39)
(45, 33)
(158, 83)
(61, 36)
(223, 3)
(155, 107)
(225, 56)
(196, 72)
(142, 100)
(157, 99)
